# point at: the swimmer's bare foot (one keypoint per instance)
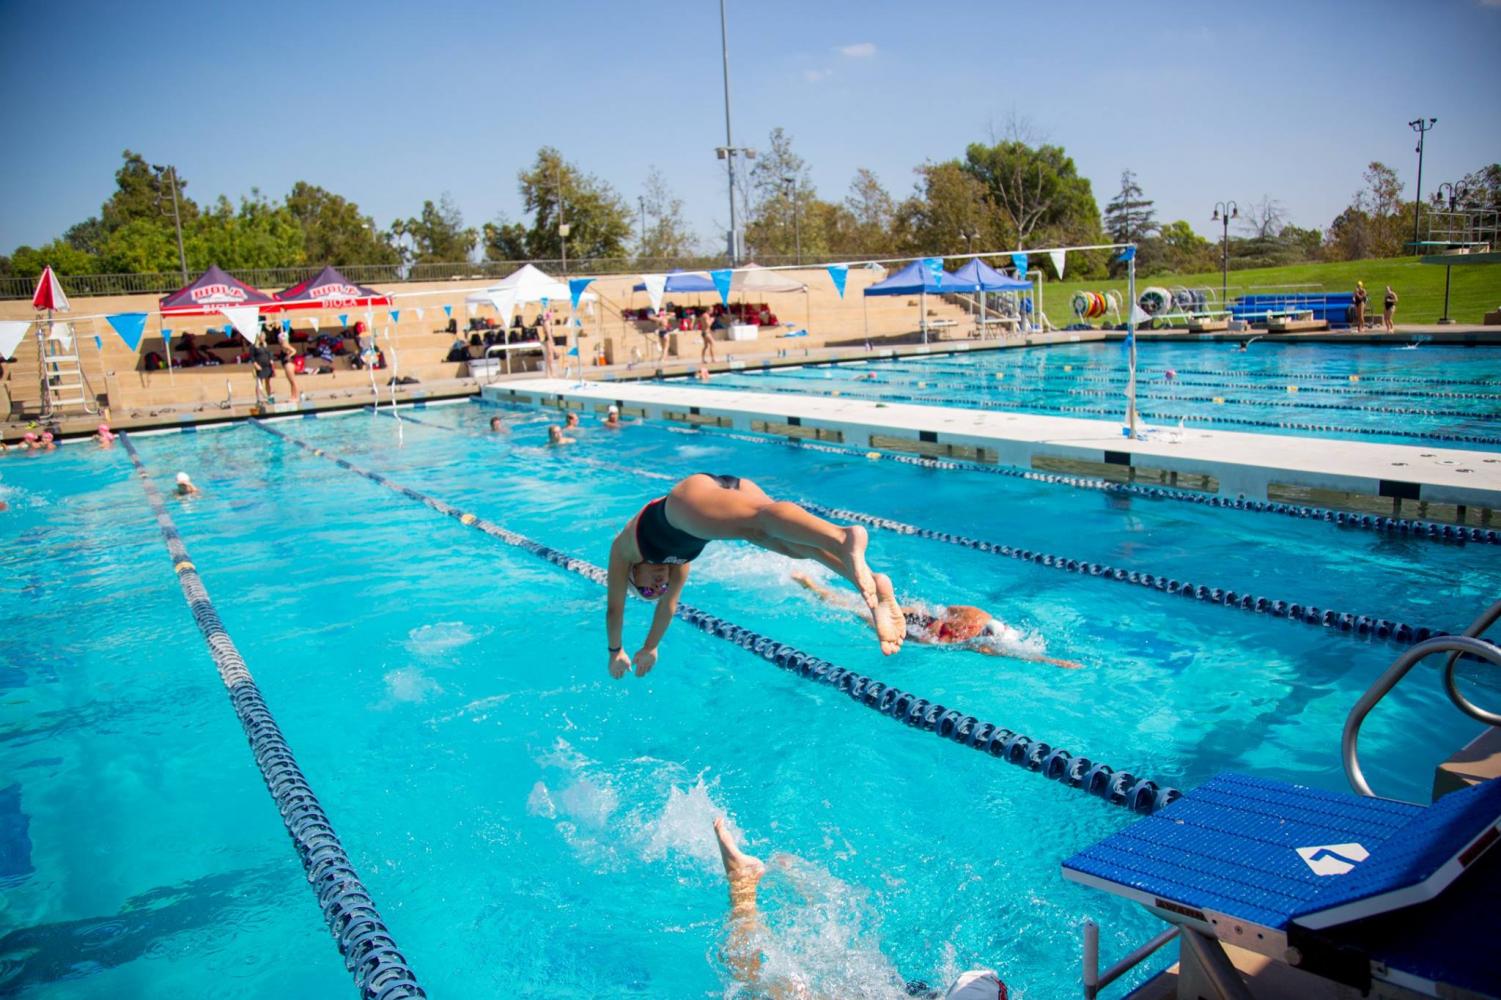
(853, 550)
(886, 615)
(738, 866)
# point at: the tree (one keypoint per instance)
(1373, 223)
(598, 221)
(140, 245)
(872, 213)
(949, 202)
(1176, 249)
(260, 234)
(666, 233)
(87, 236)
(1264, 218)
(1480, 188)
(438, 234)
(27, 262)
(1037, 192)
(504, 239)
(782, 194)
(144, 193)
(1129, 217)
(334, 231)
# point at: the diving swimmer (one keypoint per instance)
(652, 553)
(961, 625)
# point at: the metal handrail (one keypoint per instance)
(1383, 684)
(1094, 980)
(1477, 628)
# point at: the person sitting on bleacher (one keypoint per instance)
(458, 350)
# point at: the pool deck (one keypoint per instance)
(1243, 464)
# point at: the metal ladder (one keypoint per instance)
(63, 382)
(1455, 645)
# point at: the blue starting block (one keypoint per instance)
(1351, 889)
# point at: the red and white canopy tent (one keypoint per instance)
(328, 289)
(49, 293)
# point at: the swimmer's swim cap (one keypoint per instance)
(977, 984)
(182, 477)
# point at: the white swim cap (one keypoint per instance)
(614, 408)
(182, 477)
(977, 984)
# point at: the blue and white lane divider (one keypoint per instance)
(1121, 788)
(1334, 377)
(1346, 519)
(1159, 417)
(370, 954)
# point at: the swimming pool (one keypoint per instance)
(530, 827)
(1434, 394)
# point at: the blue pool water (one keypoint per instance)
(1432, 394)
(530, 827)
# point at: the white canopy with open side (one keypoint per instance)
(754, 279)
(527, 283)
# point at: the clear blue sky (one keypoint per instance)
(391, 103)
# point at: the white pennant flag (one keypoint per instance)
(1058, 256)
(473, 308)
(1139, 316)
(419, 312)
(12, 331)
(245, 319)
(63, 334)
(656, 285)
(504, 302)
(313, 322)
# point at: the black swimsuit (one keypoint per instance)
(661, 542)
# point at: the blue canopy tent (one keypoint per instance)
(679, 280)
(921, 277)
(987, 279)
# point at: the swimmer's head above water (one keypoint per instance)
(649, 580)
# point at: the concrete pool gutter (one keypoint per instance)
(1405, 480)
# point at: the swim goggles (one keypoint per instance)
(648, 593)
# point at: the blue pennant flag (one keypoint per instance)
(839, 273)
(98, 342)
(395, 315)
(167, 341)
(448, 310)
(343, 319)
(576, 288)
(722, 278)
(129, 326)
(935, 268)
(544, 301)
(573, 351)
(1127, 254)
(286, 326)
(1130, 340)
(1019, 261)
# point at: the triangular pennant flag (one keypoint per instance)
(839, 274)
(129, 326)
(721, 279)
(448, 310)
(935, 268)
(167, 339)
(504, 301)
(1058, 257)
(544, 302)
(245, 319)
(472, 307)
(1127, 254)
(12, 331)
(1019, 261)
(395, 315)
(656, 284)
(63, 334)
(343, 319)
(573, 351)
(1140, 316)
(419, 312)
(98, 342)
(313, 322)
(286, 326)
(576, 288)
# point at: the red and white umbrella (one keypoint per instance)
(49, 292)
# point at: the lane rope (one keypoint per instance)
(1121, 788)
(370, 953)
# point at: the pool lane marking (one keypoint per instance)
(369, 951)
(1121, 788)
(1407, 527)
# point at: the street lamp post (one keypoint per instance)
(1421, 127)
(797, 225)
(1224, 211)
(171, 174)
(641, 203)
(728, 150)
(562, 226)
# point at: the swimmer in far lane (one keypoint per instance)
(958, 625)
(652, 553)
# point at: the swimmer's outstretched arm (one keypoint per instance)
(615, 585)
(667, 606)
(832, 597)
(1027, 657)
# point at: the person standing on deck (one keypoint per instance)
(1359, 302)
(1389, 309)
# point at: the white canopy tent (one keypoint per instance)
(755, 279)
(528, 283)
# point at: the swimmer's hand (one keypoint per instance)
(619, 664)
(646, 658)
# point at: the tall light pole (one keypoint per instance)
(1224, 211)
(729, 137)
(562, 226)
(641, 203)
(797, 222)
(171, 174)
(1421, 127)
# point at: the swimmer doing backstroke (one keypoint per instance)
(652, 553)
